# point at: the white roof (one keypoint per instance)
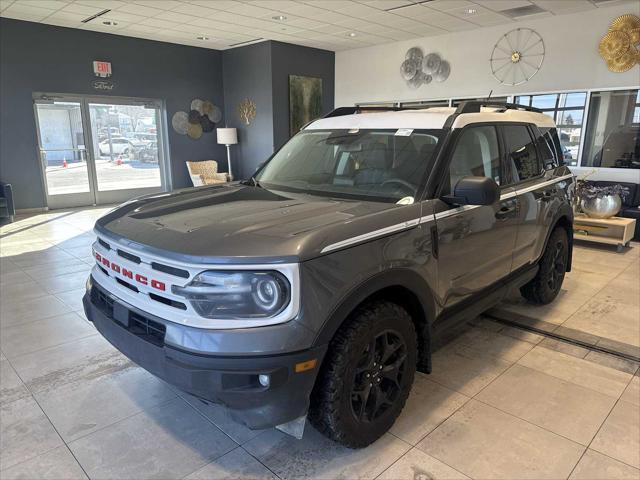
(428, 118)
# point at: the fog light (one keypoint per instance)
(264, 380)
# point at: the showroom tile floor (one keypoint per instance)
(599, 297)
(501, 403)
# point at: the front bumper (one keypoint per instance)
(228, 380)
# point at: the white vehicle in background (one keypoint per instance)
(118, 146)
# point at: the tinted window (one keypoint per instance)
(522, 155)
(546, 148)
(476, 154)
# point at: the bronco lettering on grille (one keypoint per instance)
(136, 277)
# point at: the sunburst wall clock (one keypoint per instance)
(517, 56)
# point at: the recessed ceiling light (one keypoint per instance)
(279, 17)
(470, 11)
(110, 23)
(352, 34)
(202, 37)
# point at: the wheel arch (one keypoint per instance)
(404, 287)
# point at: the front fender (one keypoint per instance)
(394, 277)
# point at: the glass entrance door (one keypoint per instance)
(125, 140)
(97, 150)
(63, 153)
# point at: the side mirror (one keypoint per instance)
(474, 191)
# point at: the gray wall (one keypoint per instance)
(42, 58)
(261, 72)
(287, 59)
(247, 74)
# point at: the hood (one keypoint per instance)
(235, 223)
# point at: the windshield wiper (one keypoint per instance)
(255, 183)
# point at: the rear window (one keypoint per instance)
(522, 153)
(550, 137)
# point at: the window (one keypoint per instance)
(374, 164)
(549, 147)
(522, 155)
(567, 110)
(476, 154)
(546, 154)
(612, 137)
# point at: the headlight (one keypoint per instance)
(237, 294)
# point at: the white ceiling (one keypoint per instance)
(328, 24)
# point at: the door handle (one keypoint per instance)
(505, 212)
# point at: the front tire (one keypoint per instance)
(545, 286)
(366, 377)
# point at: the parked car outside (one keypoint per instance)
(119, 146)
(316, 289)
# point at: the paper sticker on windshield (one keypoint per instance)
(404, 132)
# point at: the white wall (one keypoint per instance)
(571, 61)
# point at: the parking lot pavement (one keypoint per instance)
(501, 403)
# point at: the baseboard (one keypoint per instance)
(21, 211)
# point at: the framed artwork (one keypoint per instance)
(305, 101)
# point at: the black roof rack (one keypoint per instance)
(474, 106)
(340, 111)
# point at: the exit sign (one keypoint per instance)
(102, 69)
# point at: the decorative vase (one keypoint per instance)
(601, 207)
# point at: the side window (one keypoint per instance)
(521, 152)
(476, 154)
(545, 148)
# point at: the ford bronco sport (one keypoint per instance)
(315, 289)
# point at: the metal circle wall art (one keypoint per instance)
(201, 118)
(517, 56)
(620, 47)
(180, 122)
(419, 69)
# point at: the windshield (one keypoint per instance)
(385, 165)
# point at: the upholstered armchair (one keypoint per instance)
(205, 173)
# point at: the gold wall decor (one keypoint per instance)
(620, 47)
(247, 111)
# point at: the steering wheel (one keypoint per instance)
(403, 183)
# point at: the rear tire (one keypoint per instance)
(366, 377)
(545, 286)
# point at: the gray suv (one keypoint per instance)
(317, 288)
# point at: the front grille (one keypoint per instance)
(102, 301)
(127, 284)
(129, 256)
(178, 272)
(146, 329)
(139, 325)
(167, 301)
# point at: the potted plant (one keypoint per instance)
(600, 201)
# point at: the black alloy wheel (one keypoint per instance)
(377, 381)
(366, 375)
(546, 285)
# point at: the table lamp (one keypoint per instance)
(227, 137)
